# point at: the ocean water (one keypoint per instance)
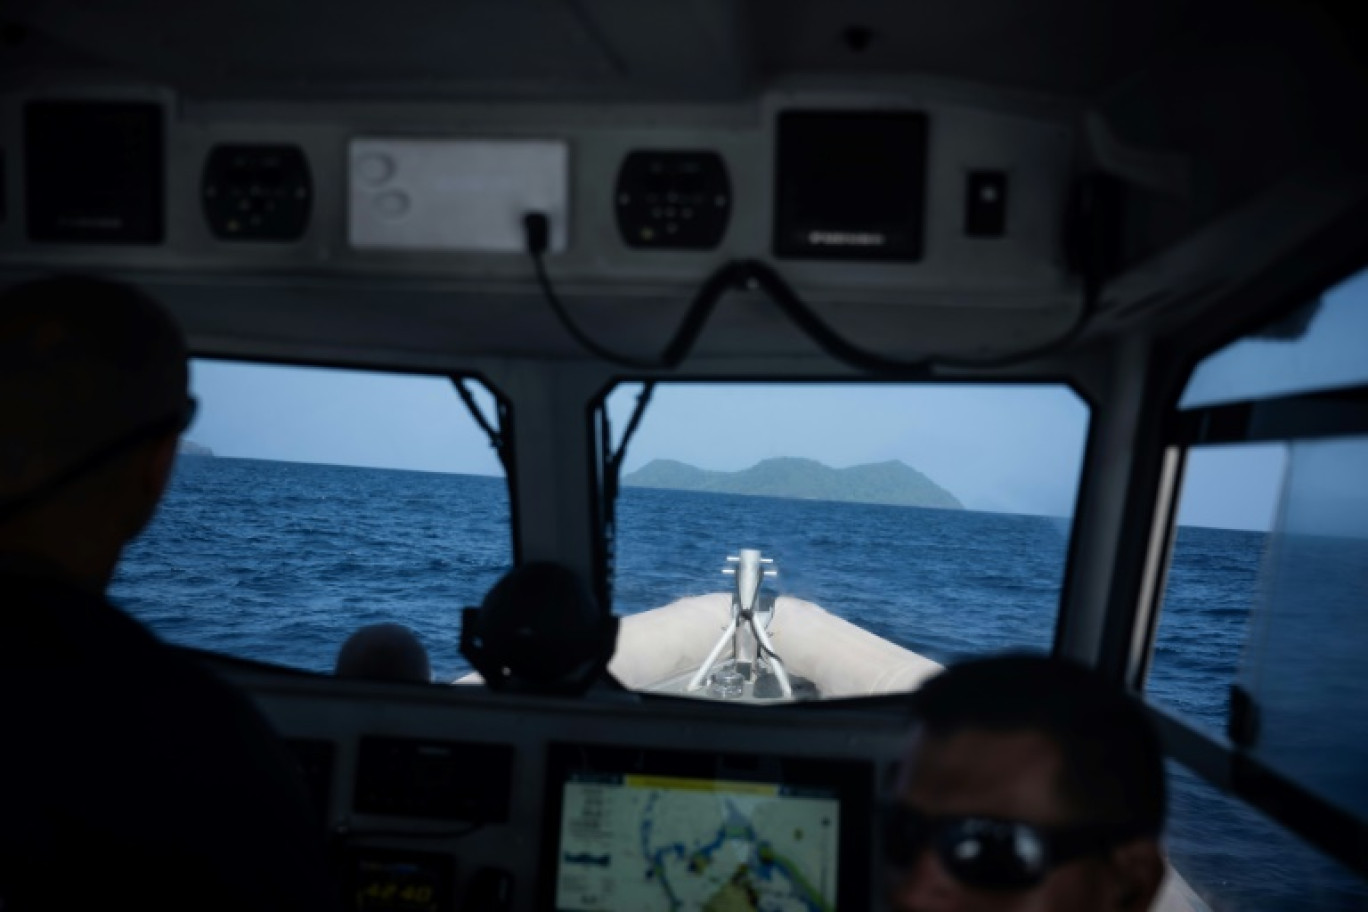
(279, 562)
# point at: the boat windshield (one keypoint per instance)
(908, 525)
(309, 502)
(889, 528)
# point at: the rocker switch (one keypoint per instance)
(985, 204)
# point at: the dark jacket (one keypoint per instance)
(131, 775)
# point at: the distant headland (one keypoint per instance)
(893, 483)
(190, 448)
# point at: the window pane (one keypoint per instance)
(933, 518)
(1305, 660)
(1322, 346)
(1237, 860)
(1227, 506)
(1248, 598)
(332, 500)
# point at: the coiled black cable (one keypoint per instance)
(753, 274)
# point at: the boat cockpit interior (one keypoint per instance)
(566, 212)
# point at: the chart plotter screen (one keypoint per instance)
(644, 840)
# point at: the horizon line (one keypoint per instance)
(503, 476)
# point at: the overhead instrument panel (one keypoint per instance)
(94, 172)
(850, 185)
(457, 195)
(257, 193)
(678, 200)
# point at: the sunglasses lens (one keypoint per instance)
(993, 855)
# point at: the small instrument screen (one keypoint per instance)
(850, 185)
(388, 880)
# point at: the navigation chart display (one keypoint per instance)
(645, 840)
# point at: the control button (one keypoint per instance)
(374, 169)
(393, 204)
(985, 204)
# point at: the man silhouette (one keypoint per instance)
(128, 772)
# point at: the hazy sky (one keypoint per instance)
(340, 417)
(1001, 448)
(1331, 351)
(1013, 449)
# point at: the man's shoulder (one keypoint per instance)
(48, 620)
(86, 663)
(135, 744)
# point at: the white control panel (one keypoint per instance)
(460, 195)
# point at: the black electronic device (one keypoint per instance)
(985, 204)
(850, 185)
(94, 172)
(445, 780)
(539, 630)
(392, 880)
(640, 829)
(678, 200)
(257, 193)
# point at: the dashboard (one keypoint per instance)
(443, 798)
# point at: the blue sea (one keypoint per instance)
(280, 561)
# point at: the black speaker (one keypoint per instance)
(94, 172)
(851, 185)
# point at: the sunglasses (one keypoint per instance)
(991, 854)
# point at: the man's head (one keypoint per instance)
(1031, 784)
(384, 652)
(93, 394)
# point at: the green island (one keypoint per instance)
(893, 483)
